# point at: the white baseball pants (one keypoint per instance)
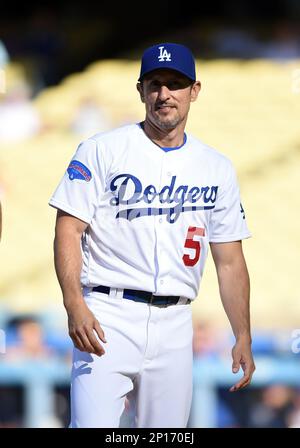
(148, 359)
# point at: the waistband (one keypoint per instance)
(146, 297)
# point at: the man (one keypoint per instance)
(137, 209)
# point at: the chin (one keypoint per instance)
(167, 123)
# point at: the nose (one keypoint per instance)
(163, 93)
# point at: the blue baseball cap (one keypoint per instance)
(168, 55)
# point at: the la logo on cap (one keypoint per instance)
(164, 55)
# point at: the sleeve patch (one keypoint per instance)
(78, 170)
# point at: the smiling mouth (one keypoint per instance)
(164, 108)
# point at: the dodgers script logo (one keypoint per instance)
(128, 190)
(78, 170)
(164, 55)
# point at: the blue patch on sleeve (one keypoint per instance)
(78, 170)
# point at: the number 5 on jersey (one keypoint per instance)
(190, 243)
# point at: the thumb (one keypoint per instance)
(235, 366)
(236, 361)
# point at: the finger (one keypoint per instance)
(99, 331)
(240, 384)
(77, 343)
(81, 335)
(98, 349)
(246, 384)
(244, 366)
(245, 379)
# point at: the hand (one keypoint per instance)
(82, 324)
(242, 356)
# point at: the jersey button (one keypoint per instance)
(169, 173)
(161, 282)
(160, 220)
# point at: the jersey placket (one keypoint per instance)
(161, 227)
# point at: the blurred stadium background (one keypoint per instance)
(67, 72)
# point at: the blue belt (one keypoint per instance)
(143, 296)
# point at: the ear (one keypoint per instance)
(195, 90)
(140, 90)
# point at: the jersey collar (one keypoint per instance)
(164, 148)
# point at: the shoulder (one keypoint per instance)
(115, 134)
(210, 154)
(213, 162)
(104, 147)
(104, 144)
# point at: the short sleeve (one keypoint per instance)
(228, 221)
(82, 184)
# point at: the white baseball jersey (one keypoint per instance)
(151, 211)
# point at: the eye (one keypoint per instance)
(174, 85)
(156, 84)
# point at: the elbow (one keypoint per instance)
(237, 270)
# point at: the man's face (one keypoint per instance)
(167, 95)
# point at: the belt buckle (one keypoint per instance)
(160, 305)
(153, 304)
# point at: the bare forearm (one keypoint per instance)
(68, 262)
(234, 288)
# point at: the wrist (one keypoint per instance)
(73, 302)
(244, 337)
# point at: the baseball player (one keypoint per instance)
(137, 210)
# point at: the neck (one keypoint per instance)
(166, 138)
